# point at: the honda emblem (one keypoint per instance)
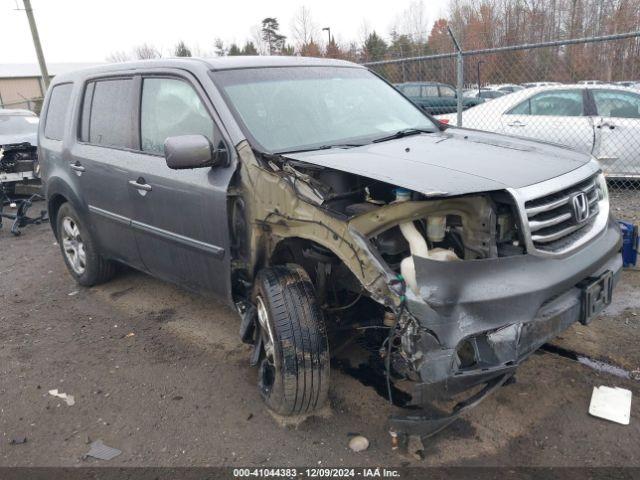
(580, 204)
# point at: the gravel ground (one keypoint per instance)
(161, 375)
(625, 202)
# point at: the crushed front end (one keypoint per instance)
(448, 293)
(471, 321)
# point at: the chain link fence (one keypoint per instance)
(582, 93)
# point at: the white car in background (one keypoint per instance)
(506, 87)
(603, 120)
(540, 84)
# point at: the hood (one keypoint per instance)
(452, 162)
(10, 139)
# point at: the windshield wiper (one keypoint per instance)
(402, 133)
(322, 147)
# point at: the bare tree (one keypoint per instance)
(304, 29)
(146, 51)
(256, 39)
(118, 56)
(413, 21)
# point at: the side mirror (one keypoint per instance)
(192, 151)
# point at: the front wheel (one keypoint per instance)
(294, 369)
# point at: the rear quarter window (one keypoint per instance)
(57, 111)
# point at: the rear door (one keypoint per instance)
(557, 116)
(179, 216)
(101, 161)
(441, 99)
(617, 123)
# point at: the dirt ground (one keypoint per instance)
(161, 375)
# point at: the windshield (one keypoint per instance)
(12, 124)
(298, 108)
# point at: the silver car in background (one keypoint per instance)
(603, 120)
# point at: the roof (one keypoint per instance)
(248, 61)
(206, 64)
(16, 112)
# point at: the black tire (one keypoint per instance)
(296, 381)
(96, 269)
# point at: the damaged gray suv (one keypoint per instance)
(330, 211)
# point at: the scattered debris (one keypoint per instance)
(177, 397)
(71, 294)
(101, 451)
(18, 441)
(67, 398)
(129, 335)
(359, 443)
(250, 416)
(613, 404)
(415, 448)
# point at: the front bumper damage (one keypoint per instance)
(498, 311)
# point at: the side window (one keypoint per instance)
(171, 107)
(108, 106)
(430, 91)
(612, 103)
(556, 103)
(57, 111)
(447, 92)
(411, 90)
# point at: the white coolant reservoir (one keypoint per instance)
(436, 227)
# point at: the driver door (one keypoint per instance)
(179, 216)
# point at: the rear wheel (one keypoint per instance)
(79, 250)
(294, 367)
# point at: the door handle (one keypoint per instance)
(140, 185)
(77, 167)
(517, 123)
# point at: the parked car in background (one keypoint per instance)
(629, 83)
(540, 84)
(602, 120)
(485, 94)
(18, 126)
(435, 98)
(18, 148)
(591, 82)
(506, 87)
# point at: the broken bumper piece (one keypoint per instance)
(425, 424)
(478, 320)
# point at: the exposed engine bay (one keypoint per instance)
(18, 162)
(19, 175)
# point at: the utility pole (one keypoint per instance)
(36, 43)
(460, 75)
(328, 30)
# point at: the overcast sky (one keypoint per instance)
(88, 30)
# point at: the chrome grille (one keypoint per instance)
(555, 220)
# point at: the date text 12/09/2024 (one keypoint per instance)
(315, 473)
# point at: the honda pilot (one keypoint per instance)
(329, 210)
